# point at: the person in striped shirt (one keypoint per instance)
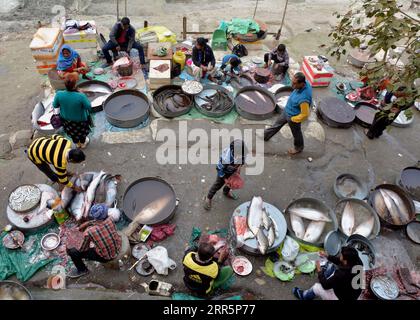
(57, 152)
(101, 242)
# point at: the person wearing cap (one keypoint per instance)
(122, 38)
(101, 242)
(203, 60)
(230, 162)
(280, 57)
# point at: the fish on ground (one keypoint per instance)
(310, 214)
(77, 205)
(365, 228)
(348, 219)
(297, 225)
(90, 193)
(314, 231)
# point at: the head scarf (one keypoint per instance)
(64, 63)
(98, 212)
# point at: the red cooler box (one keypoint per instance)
(317, 78)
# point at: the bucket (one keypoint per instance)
(56, 82)
(179, 57)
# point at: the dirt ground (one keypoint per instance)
(283, 179)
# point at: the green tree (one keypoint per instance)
(382, 26)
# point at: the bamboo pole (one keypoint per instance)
(282, 21)
(255, 10)
(184, 28)
(118, 10)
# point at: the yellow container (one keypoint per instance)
(179, 57)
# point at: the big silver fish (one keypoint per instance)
(90, 193)
(262, 241)
(348, 219)
(310, 214)
(297, 225)
(271, 236)
(314, 231)
(255, 213)
(392, 207)
(402, 208)
(365, 228)
(265, 219)
(77, 206)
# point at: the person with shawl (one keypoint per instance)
(233, 157)
(69, 61)
(203, 59)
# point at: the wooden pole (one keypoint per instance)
(125, 2)
(255, 10)
(145, 24)
(184, 28)
(282, 21)
(118, 10)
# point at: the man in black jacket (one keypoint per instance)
(203, 60)
(337, 283)
(122, 38)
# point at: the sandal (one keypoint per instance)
(293, 151)
(207, 203)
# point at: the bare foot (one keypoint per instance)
(293, 151)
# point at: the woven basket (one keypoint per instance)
(126, 71)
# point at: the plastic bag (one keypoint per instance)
(235, 181)
(290, 249)
(114, 213)
(159, 259)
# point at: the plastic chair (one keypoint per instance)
(219, 40)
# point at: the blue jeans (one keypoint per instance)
(328, 270)
(112, 46)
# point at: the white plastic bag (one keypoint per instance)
(159, 259)
(114, 213)
(290, 249)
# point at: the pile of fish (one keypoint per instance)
(260, 225)
(214, 100)
(390, 207)
(97, 188)
(348, 223)
(192, 87)
(172, 100)
(315, 227)
(96, 93)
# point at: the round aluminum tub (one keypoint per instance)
(317, 205)
(126, 108)
(244, 80)
(365, 113)
(11, 290)
(365, 249)
(165, 106)
(336, 113)
(362, 212)
(208, 91)
(255, 103)
(95, 89)
(282, 95)
(151, 197)
(250, 246)
(383, 214)
(402, 121)
(409, 179)
(349, 186)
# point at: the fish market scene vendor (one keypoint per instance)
(74, 110)
(202, 272)
(231, 65)
(203, 60)
(69, 61)
(122, 38)
(57, 152)
(279, 57)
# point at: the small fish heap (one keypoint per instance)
(348, 221)
(260, 225)
(390, 207)
(315, 227)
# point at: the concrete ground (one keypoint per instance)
(284, 179)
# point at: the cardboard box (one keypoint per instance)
(46, 43)
(317, 78)
(83, 39)
(157, 78)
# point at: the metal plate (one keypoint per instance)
(250, 246)
(362, 212)
(126, 108)
(153, 197)
(139, 250)
(255, 103)
(314, 204)
(13, 240)
(333, 242)
(410, 181)
(192, 87)
(384, 288)
(413, 231)
(282, 94)
(365, 113)
(241, 266)
(350, 186)
(90, 86)
(402, 194)
(209, 90)
(336, 112)
(11, 290)
(161, 104)
(50, 241)
(402, 121)
(24, 198)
